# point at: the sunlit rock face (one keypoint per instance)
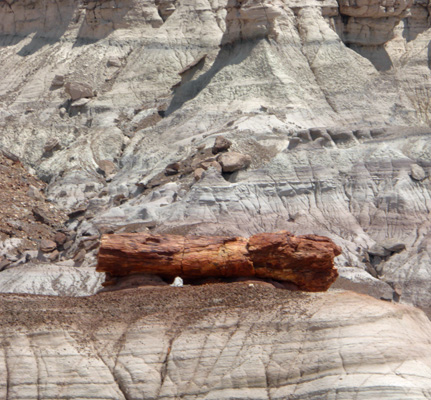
(328, 101)
(219, 342)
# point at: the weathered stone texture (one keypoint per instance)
(306, 261)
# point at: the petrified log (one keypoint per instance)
(307, 261)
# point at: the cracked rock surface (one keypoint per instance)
(330, 115)
(219, 342)
(329, 103)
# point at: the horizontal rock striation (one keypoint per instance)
(317, 93)
(307, 261)
(213, 342)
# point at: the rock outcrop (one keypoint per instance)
(216, 341)
(61, 278)
(306, 261)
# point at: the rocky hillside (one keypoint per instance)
(115, 105)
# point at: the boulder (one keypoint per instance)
(113, 62)
(58, 81)
(78, 90)
(378, 251)
(306, 261)
(47, 245)
(234, 161)
(60, 238)
(198, 173)
(417, 172)
(107, 167)
(393, 246)
(221, 144)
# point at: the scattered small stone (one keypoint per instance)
(53, 256)
(208, 164)
(62, 112)
(107, 167)
(60, 238)
(398, 289)
(80, 102)
(58, 81)
(172, 169)
(198, 173)
(221, 144)
(89, 243)
(114, 62)
(51, 144)
(78, 90)
(234, 161)
(41, 216)
(78, 211)
(67, 245)
(119, 199)
(80, 256)
(47, 245)
(178, 282)
(417, 172)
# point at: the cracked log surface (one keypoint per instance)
(219, 341)
(307, 261)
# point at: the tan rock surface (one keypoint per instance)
(214, 342)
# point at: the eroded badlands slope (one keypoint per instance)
(115, 104)
(213, 342)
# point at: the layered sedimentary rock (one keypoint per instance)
(317, 93)
(213, 342)
(372, 22)
(306, 261)
(51, 279)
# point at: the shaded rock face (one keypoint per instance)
(306, 261)
(219, 341)
(372, 22)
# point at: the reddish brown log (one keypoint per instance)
(307, 261)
